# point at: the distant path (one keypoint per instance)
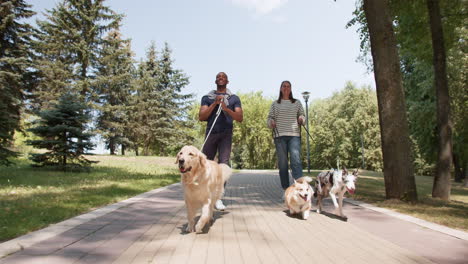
(254, 229)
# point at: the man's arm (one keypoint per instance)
(237, 114)
(205, 111)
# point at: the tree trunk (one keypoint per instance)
(396, 148)
(466, 174)
(441, 187)
(123, 149)
(458, 169)
(136, 151)
(112, 146)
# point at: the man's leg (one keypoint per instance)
(224, 154)
(295, 150)
(224, 148)
(210, 147)
(282, 153)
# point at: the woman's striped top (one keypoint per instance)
(285, 116)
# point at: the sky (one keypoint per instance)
(258, 43)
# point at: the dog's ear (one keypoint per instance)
(202, 159)
(177, 158)
(356, 173)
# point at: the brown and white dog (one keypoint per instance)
(298, 197)
(203, 182)
(333, 183)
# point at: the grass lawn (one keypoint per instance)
(454, 213)
(32, 198)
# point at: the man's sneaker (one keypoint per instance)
(219, 205)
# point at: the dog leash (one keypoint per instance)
(214, 122)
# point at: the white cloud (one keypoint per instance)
(261, 7)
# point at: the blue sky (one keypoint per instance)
(258, 43)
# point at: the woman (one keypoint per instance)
(285, 117)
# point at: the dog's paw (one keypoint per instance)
(305, 215)
(318, 211)
(189, 229)
(199, 229)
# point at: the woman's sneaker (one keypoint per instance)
(219, 205)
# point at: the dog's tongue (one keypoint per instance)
(182, 170)
(351, 191)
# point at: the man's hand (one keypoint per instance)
(219, 99)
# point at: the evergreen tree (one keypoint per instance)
(14, 70)
(114, 76)
(160, 108)
(62, 130)
(69, 44)
(174, 118)
(146, 108)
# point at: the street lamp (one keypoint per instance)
(305, 95)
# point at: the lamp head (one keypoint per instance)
(305, 95)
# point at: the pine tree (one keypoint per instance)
(69, 44)
(175, 103)
(62, 130)
(160, 107)
(14, 70)
(114, 88)
(147, 103)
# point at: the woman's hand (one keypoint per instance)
(272, 123)
(301, 120)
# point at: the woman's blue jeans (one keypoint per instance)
(288, 146)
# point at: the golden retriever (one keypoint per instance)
(203, 182)
(298, 197)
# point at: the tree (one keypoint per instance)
(252, 138)
(415, 39)
(342, 125)
(396, 149)
(62, 130)
(160, 108)
(68, 44)
(14, 70)
(113, 85)
(441, 188)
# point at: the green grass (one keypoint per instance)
(370, 188)
(32, 198)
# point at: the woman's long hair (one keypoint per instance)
(291, 98)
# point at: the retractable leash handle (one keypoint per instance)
(214, 122)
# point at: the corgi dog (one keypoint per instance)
(298, 197)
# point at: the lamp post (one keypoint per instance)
(305, 95)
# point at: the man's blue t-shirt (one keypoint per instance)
(224, 121)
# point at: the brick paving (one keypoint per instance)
(254, 229)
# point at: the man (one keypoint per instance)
(220, 139)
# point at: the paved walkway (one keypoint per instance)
(254, 229)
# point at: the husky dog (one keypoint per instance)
(298, 197)
(335, 183)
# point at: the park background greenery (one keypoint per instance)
(140, 111)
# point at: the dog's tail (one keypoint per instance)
(226, 171)
(304, 179)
